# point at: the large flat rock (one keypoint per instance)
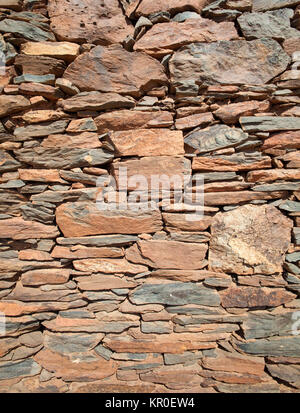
(224, 62)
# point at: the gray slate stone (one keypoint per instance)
(287, 346)
(279, 186)
(99, 240)
(214, 138)
(269, 123)
(28, 78)
(262, 325)
(176, 293)
(26, 30)
(63, 158)
(156, 327)
(30, 131)
(263, 5)
(290, 206)
(224, 62)
(22, 368)
(187, 356)
(274, 24)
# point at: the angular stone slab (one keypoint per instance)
(269, 123)
(263, 5)
(175, 294)
(287, 346)
(224, 62)
(96, 101)
(63, 158)
(79, 219)
(18, 228)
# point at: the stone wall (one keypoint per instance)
(119, 300)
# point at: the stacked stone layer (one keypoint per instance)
(149, 301)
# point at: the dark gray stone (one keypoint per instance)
(261, 325)
(176, 293)
(278, 186)
(187, 356)
(28, 78)
(269, 123)
(263, 5)
(25, 30)
(287, 347)
(37, 131)
(156, 327)
(22, 368)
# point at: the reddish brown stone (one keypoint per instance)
(12, 103)
(88, 140)
(45, 276)
(179, 222)
(273, 175)
(231, 113)
(40, 175)
(147, 7)
(40, 65)
(69, 370)
(113, 69)
(82, 218)
(147, 142)
(231, 198)
(17, 228)
(163, 38)
(34, 255)
(168, 254)
(231, 163)
(286, 140)
(192, 121)
(103, 282)
(80, 251)
(91, 21)
(16, 308)
(121, 120)
(47, 91)
(43, 115)
(247, 297)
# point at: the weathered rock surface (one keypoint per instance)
(113, 69)
(249, 240)
(90, 22)
(163, 38)
(96, 101)
(80, 219)
(222, 62)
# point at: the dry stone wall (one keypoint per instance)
(119, 300)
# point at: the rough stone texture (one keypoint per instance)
(249, 240)
(223, 62)
(91, 21)
(113, 69)
(182, 293)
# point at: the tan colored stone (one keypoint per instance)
(69, 370)
(248, 297)
(168, 254)
(147, 142)
(79, 219)
(108, 266)
(59, 50)
(43, 115)
(249, 240)
(88, 140)
(113, 69)
(128, 307)
(18, 228)
(95, 100)
(46, 276)
(91, 21)
(188, 275)
(121, 120)
(163, 38)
